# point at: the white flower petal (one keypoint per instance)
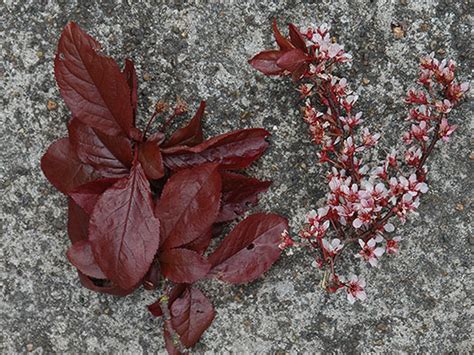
(361, 295)
(389, 227)
(357, 223)
(379, 251)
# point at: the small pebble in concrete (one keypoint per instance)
(398, 32)
(52, 105)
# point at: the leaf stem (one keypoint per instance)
(150, 121)
(167, 122)
(164, 305)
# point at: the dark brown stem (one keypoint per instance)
(167, 122)
(164, 305)
(430, 148)
(150, 121)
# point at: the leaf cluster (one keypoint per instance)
(144, 209)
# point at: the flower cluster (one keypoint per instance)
(364, 196)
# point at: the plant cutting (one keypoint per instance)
(144, 205)
(366, 190)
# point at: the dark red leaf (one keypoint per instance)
(77, 222)
(296, 38)
(176, 291)
(131, 76)
(63, 168)
(92, 84)
(299, 72)
(292, 60)
(157, 137)
(103, 286)
(266, 62)
(87, 195)
(239, 193)
(201, 243)
(80, 255)
(282, 42)
(109, 155)
(152, 277)
(189, 205)
(124, 231)
(249, 250)
(183, 266)
(149, 155)
(192, 314)
(191, 134)
(233, 150)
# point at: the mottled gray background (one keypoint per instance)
(418, 302)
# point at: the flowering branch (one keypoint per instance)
(364, 196)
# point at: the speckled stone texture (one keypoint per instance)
(418, 302)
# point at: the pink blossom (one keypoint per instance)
(456, 91)
(416, 97)
(286, 241)
(408, 204)
(349, 101)
(445, 130)
(356, 289)
(368, 139)
(305, 90)
(348, 149)
(421, 113)
(316, 226)
(351, 121)
(370, 252)
(393, 245)
(334, 49)
(332, 247)
(420, 131)
(340, 86)
(444, 106)
(392, 158)
(413, 156)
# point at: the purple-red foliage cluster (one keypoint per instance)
(144, 208)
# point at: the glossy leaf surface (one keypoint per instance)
(239, 193)
(296, 38)
(92, 84)
(282, 41)
(191, 134)
(77, 222)
(183, 266)
(266, 62)
(124, 231)
(292, 60)
(87, 195)
(111, 156)
(192, 314)
(249, 249)
(234, 150)
(149, 155)
(189, 205)
(63, 168)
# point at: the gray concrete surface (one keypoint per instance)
(418, 302)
